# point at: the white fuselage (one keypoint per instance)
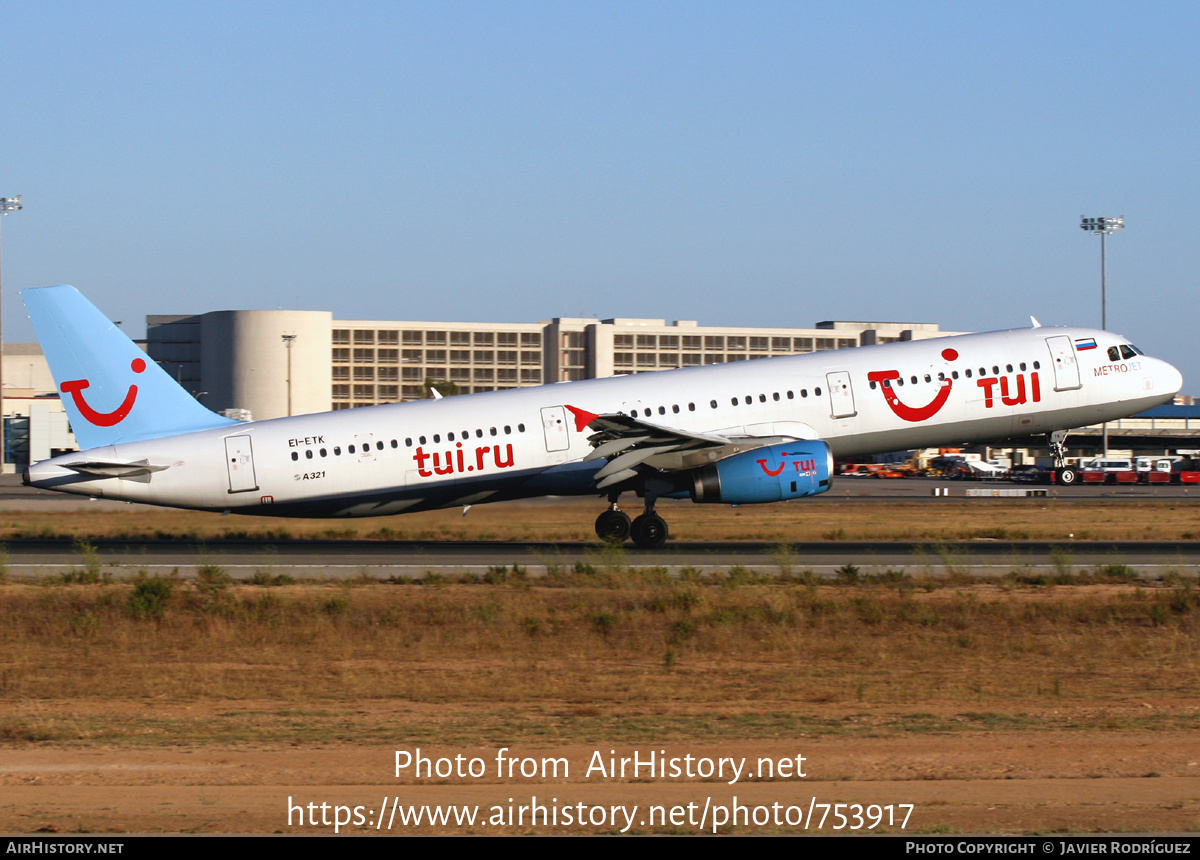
(524, 442)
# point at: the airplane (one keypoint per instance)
(758, 431)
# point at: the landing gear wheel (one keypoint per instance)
(649, 531)
(612, 526)
(1065, 477)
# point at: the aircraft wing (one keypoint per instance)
(630, 443)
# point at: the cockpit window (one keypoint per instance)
(1128, 350)
(1114, 354)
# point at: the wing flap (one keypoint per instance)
(631, 445)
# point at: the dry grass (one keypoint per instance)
(571, 520)
(767, 650)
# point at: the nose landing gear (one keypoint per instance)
(1064, 475)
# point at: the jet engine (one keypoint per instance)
(790, 470)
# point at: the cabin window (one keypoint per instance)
(675, 408)
(749, 399)
(733, 400)
(520, 428)
(713, 403)
(323, 452)
(379, 445)
(308, 454)
(337, 450)
(422, 440)
(1022, 365)
(295, 456)
(350, 449)
(450, 436)
(968, 372)
(507, 430)
(817, 391)
(872, 384)
(395, 444)
(691, 407)
(492, 430)
(1037, 365)
(408, 443)
(1009, 367)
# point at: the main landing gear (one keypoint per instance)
(613, 525)
(1064, 475)
(648, 531)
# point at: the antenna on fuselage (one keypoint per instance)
(1033, 320)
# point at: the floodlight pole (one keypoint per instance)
(7, 205)
(1105, 227)
(287, 342)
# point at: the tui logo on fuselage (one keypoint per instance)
(902, 409)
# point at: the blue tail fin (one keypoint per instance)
(112, 392)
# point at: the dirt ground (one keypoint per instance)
(1116, 752)
(970, 781)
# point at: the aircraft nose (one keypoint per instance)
(1172, 379)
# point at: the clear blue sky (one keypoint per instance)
(735, 163)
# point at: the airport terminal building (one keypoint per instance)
(267, 364)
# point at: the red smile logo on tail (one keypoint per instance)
(903, 410)
(75, 388)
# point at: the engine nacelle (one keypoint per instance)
(791, 470)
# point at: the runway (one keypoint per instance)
(13, 496)
(416, 560)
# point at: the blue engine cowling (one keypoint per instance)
(791, 470)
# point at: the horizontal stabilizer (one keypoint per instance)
(137, 471)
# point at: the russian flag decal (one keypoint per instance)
(1086, 343)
